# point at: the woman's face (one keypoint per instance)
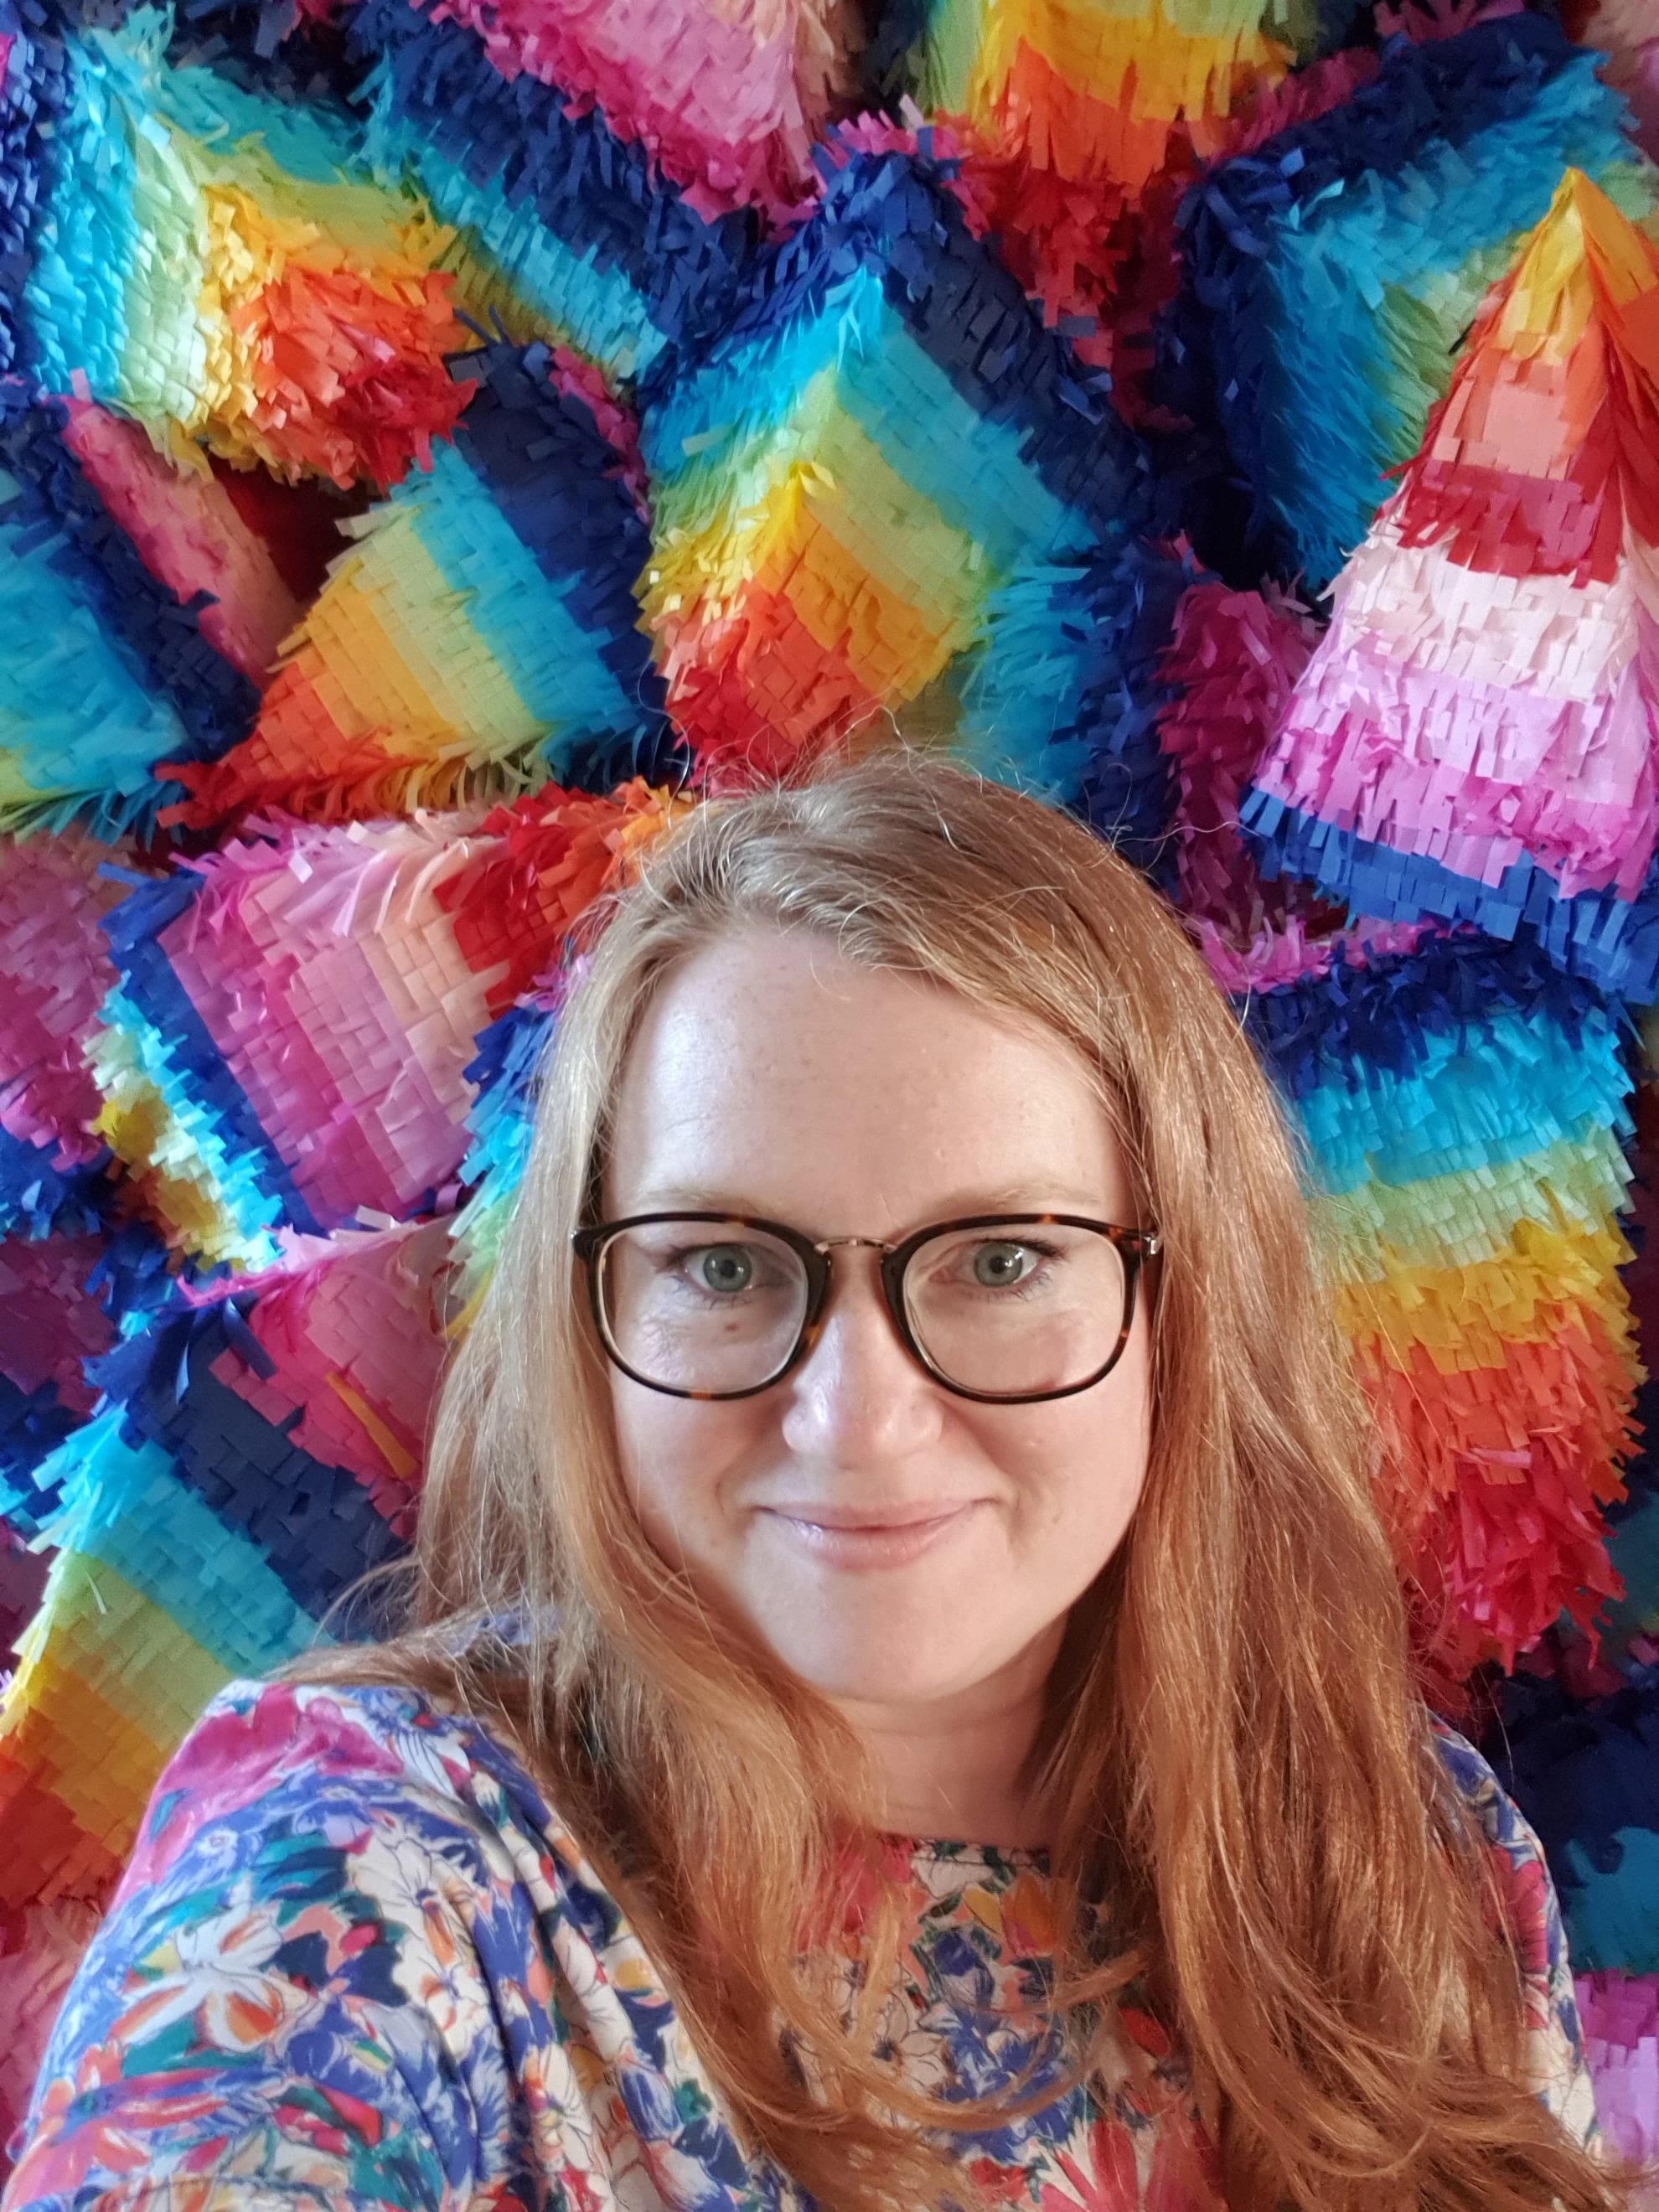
(892, 1543)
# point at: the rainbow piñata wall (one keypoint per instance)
(438, 445)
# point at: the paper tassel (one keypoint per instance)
(1328, 276)
(1464, 1106)
(564, 221)
(727, 101)
(482, 635)
(1587, 1778)
(302, 321)
(1475, 738)
(886, 438)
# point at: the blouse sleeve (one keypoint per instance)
(284, 2008)
(1558, 2071)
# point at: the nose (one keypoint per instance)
(857, 1397)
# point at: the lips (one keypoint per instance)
(872, 1536)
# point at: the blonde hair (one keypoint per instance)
(1244, 1774)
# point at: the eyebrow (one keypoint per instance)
(1030, 1198)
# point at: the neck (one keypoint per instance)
(954, 1766)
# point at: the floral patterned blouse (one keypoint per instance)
(358, 1963)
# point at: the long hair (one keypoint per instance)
(1245, 1775)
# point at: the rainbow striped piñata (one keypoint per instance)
(259, 1454)
(1475, 738)
(567, 230)
(887, 486)
(1328, 275)
(482, 633)
(285, 1050)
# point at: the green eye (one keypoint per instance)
(724, 1267)
(997, 1266)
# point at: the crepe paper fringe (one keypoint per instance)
(1464, 1106)
(1475, 735)
(23, 1581)
(41, 1948)
(55, 968)
(1624, 31)
(192, 539)
(1233, 662)
(1064, 693)
(50, 1323)
(510, 1054)
(32, 93)
(560, 216)
(726, 101)
(1328, 275)
(201, 1534)
(535, 869)
(1619, 2015)
(305, 1008)
(1086, 90)
(481, 633)
(1587, 1776)
(302, 322)
(161, 629)
(885, 438)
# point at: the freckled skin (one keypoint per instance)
(773, 1078)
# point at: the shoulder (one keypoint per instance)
(1532, 1921)
(349, 1925)
(366, 1792)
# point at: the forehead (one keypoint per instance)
(771, 1075)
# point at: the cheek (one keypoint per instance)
(674, 1454)
(1076, 1469)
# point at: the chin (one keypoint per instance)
(870, 1671)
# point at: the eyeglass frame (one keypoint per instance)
(1134, 1247)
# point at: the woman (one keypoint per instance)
(906, 1700)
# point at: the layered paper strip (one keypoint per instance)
(884, 476)
(1464, 1107)
(1087, 90)
(727, 101)
(1619, 2015)
(31, 94)
(112, 660)
(286, 1047)
(221, 265)
(482, 633)
(1628, 34)
(50, 1323)
(570, 230)
(54, 971)
(1328, 276)
(259, 1454)
(1475, 738)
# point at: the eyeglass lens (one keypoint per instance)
(719, 1306)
